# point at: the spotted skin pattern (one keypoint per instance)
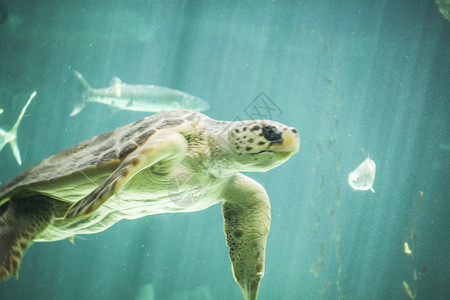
(128, 173)
(21, 223)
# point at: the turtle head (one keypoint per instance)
(261, 145)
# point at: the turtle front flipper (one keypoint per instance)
(164, 146)
(21, 221)
(246, 213)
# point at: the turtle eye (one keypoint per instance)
(271, 133)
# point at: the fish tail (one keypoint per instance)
(3, 140)
(13, 132)
(15, 151)
(85, 90)
(22, 113)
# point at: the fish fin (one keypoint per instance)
(72, 239)
(85, 90)
(373, 191)
(78, 107)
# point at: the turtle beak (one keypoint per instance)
(289, 143)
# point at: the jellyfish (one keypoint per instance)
(362, 177)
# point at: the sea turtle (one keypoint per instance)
(146, 168)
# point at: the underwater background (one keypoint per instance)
(357, 79)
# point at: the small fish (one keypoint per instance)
(406, 248)
(11, 136)
(1, 111)
(362, 177)
(150, 98)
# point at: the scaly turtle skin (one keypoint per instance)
(148, 167)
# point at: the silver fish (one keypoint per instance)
(150, 98)
(362, 177)
(11, 136)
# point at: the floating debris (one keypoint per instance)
(408, 290)
(422, 272)
(444, 8)
(406, 249)
(362, 177)
(317, 267)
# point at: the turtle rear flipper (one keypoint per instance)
(20, 222)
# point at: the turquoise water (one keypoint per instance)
(357, 79)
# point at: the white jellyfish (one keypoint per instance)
(362, 177)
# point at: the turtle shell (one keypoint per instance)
(92, 160)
